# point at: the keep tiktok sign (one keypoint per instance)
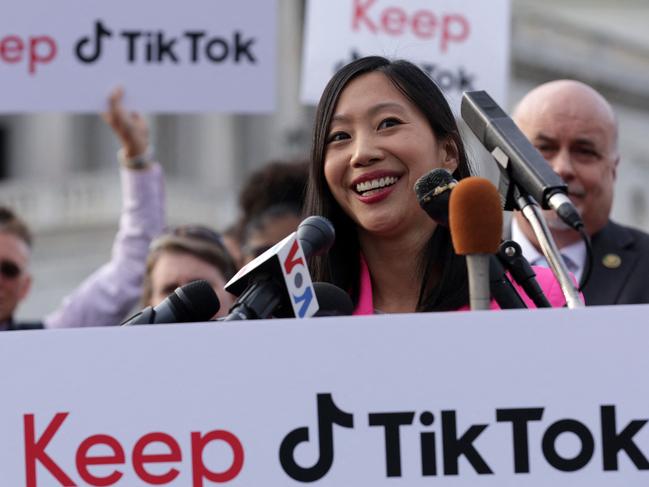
(189, 56)
(462, 44)
(618, 443)
(533, 398)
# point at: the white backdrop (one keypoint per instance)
(184, 56)
(259, 381)
(463, 44)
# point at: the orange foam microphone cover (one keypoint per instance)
(475, 217)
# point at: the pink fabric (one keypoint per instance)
(544, 276)
(365, 304)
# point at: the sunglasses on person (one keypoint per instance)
(9, 269)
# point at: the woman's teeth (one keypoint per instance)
(374, 184)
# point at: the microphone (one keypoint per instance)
(192, 303)
(278, 281)
(476, 220)
(433, 191)
(332, 300)
(517, 158)
(316, 235)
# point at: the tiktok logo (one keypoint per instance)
(328, 415)
(94, 45)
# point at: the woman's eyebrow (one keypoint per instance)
(388, 105)
(339, 118)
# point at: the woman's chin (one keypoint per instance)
(391, 225)
(381, 227)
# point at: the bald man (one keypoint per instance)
(575, 129)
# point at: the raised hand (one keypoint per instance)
(130, 127)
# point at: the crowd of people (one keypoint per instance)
(380, 125)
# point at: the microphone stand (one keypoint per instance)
(513, 196)
(257, 302)
(532, 212)
(502, 290)
(512, 258)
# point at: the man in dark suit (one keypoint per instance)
(575, 129)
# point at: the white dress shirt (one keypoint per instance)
(574, 255)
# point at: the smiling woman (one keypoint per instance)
(381, 125)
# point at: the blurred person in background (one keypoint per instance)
(232, 241)
(185, 254)
(267, 228)
(271, 201)
(106, 296)
(15, 279)
(277, 182)
(112, 291)
(576, 131)
(141, 268)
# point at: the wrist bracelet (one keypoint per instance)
(141, 161)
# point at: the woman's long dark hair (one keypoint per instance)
(442, 272)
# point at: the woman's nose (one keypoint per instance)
(365, 151)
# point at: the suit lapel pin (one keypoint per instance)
(611, 261)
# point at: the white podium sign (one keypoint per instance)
(534, 398)
(462, 44)
(172, 56)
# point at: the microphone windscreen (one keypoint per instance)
(432, 183)
(433, 191)
(316, 235)
(475, 217)
(332, 300)
(196, 301)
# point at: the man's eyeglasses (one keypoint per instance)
(9, 269)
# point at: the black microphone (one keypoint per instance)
(316, 235)
(278, 281)
(433, 191)
(192, 303)
(333, 301)
(517, 158)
